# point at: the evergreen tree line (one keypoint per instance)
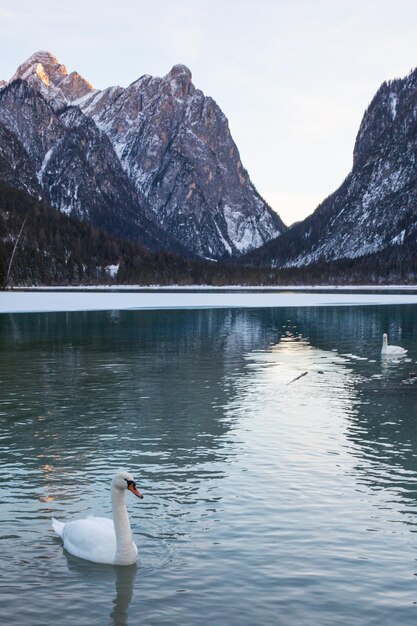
(55, 249)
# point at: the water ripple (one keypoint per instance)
(277, 455)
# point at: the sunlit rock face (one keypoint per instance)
(172, 145)
(44, 65)
(75, 86)
(375, 208)
(45, 74)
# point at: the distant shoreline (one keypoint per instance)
(212, 288)
(67, 299)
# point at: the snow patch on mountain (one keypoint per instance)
(398, 239)
(393, 101)
(240, 229)
(44, 164)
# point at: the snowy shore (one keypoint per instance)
(104, 299)
(240, 288)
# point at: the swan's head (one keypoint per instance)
(124, 480)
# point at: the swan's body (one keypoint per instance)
(388, 350)
(99, 539)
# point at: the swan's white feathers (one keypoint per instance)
(389, 350)
(395, 350)
(92, 538)
(100, 539)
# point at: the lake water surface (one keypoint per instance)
(266, 501)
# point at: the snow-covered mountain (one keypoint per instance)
(63, 158)
(375, 208)
(176, 146)
(153, 161)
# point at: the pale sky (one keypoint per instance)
(293, 77)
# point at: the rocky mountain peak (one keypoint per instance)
(390, 115)
(44, 65)
(75, 86)
(44, 73)
(180, 81)
(374, 210)
(158, 153)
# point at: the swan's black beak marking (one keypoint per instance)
(131, 485)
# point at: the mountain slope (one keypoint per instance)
(175, 144)
(158, 152)
(66, 160)
(15, 165)
(56, 249)
(376, 206)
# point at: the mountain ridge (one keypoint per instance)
(73, 166)
(156, 162)
(174, 149)
(375, 207)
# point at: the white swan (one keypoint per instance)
(391, 350)
(99, 539)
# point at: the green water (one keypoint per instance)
(266, 501)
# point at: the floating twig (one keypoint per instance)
(294, 379)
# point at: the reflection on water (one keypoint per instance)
(276, 450)
(121, 578)
(125, 577)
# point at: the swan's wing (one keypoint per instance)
(394, 351)
(92, 539)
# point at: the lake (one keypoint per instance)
(276, 451)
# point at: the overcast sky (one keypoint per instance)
(293, 76)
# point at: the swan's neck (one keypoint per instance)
(384, 341)
(125, 549)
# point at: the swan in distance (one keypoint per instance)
(388, 350)
(100, 539)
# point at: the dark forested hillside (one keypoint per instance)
(55, 249)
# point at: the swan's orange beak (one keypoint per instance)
(132, 487)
